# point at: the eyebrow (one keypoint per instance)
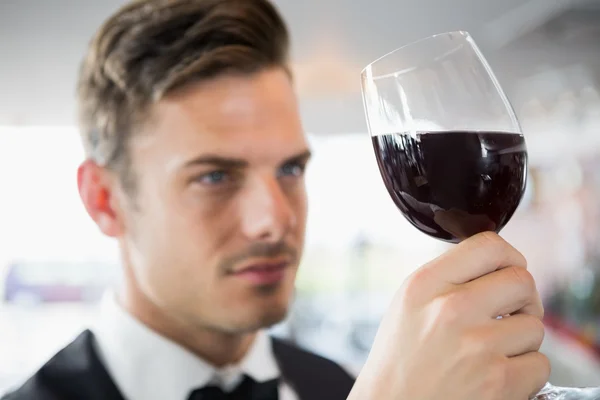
(217, 161)
(299, 158)
(237, 163)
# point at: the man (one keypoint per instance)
(195, 166)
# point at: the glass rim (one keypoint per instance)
(463, 33)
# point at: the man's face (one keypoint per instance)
(218, 225)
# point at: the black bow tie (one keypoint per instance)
(249, 389)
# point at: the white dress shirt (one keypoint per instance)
(147, 366)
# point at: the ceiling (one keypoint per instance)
(42, 41)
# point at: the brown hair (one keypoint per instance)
(150, 48)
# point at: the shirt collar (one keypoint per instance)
(146, 365)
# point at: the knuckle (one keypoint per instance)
(523, 277)
(412, 290)
(500, 248)
(495, 245)
(535, 330)
(416, 279)
(490, 237)
(545, 367)
(475, 346)
(540, 329)
(523, 262)
(492, 241)
(449, 309)
(457, 299)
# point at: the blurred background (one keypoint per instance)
(54, 264)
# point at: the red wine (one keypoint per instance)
(454, 184)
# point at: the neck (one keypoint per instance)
(213, 346)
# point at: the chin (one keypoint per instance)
(260, 319)
(265, 307)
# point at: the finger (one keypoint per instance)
(527, 375)
(507, 291)
(473, 258)
(514, 335)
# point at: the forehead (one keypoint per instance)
(239, 116)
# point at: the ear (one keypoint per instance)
(100, 195)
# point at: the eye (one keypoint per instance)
(213, 178)
(292, 169)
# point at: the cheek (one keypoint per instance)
(183, 249)
(209, 221)
(185, 229)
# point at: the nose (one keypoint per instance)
(267, 212)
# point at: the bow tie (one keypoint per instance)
(249, 389)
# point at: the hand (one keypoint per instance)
(441, 338)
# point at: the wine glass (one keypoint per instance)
(448, 144)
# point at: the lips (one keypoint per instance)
(263, 272)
